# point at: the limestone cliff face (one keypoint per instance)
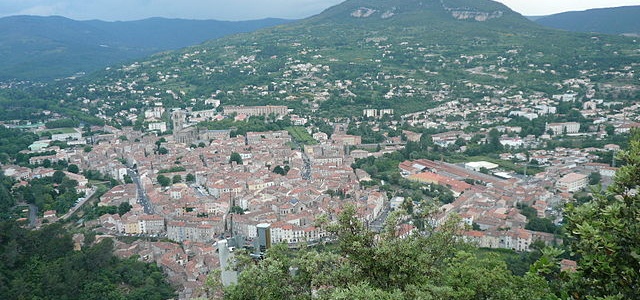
(475, 15)
(363, 12)
(467, 13)
(458, 13)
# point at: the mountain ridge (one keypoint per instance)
(348, 58)
(43, 48)
(615, 20)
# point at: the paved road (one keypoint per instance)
(306, 162)
(377, 224)
(306, 166)
(33, 215)
(142, 196)
(77, 206)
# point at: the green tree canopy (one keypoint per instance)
(41, 264)
(431, 264)
(605, 233)
(190, 178)
(73, 168)
(235, 156)
(163, 180)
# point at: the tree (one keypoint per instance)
(235, 156)
(163, 180)
(610, 129)
(127, 179)
(163, 150)
(58, 176)
(541, 224)
(176, 179)
(604, 233)
(236, 210)
(41, 264)
(433, 264)
(595, 178)
(494, 141)
(190, 178)
(72, 168)
(124, 208)
(280, 170)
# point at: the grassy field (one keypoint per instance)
(61, 130)
(301, 135)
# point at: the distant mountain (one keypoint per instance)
(43, 48)
(618, 20)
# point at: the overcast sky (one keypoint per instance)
(112, 10)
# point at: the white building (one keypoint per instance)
(479, 165)
(563, 128)
(72, 134)
(512, 142)
(566, 97)
(158, 126)
(572, 182)
(370, 113)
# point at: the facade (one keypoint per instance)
(372, 113)
(158, 126)
(257, 110)
(282, 232)
(572, 182)
(518, 240)
(263, 236)
(563, 128)
(75, 135)
(181, 231)
(346, 139)
(151, 224)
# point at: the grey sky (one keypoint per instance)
(239, 9)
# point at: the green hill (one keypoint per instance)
(405, 55)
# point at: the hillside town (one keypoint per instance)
(192, 187)
(224, 147)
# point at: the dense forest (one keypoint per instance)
(42, 264)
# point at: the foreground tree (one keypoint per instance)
(605, 233)
(431, 264)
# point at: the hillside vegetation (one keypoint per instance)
(45, 48)
(42, 264)
(404, 55)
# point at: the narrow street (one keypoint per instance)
(77, 206)
(33, 215)
(142, 196)
(306, 166)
